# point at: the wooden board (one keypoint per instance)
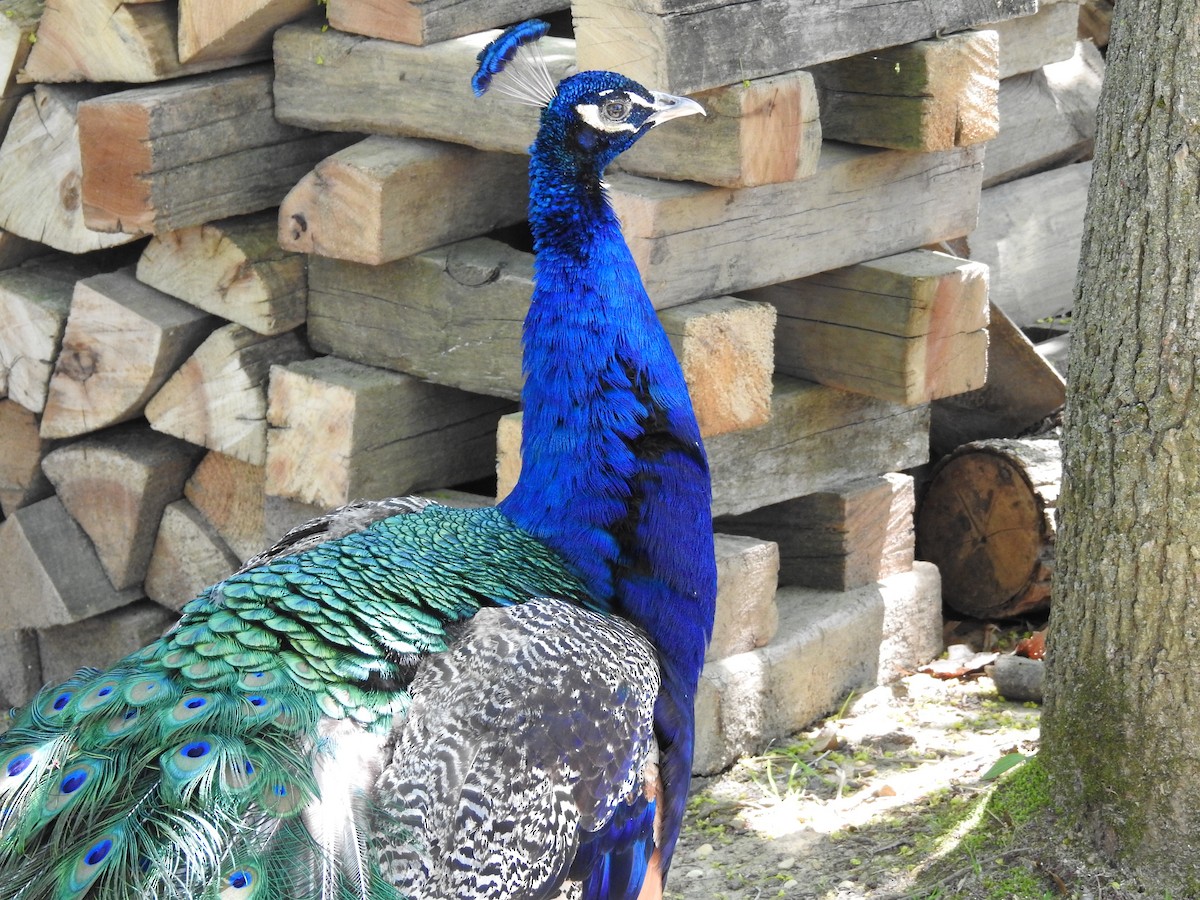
(905, 328)
(188, 556)
(387, 198)
(818, 438)
(40, 173)
(232, 268)
(341, 430)
(756, 132)
(234, 31)
(18, 23)
(691, 45)
(928, 95)
(747, 577)
(1029, 42)
(692, 241)
(453, 316)
(1047, 116)
(186, 152)
(22, 450)
(430, 21)
(229, 493)
(1029, 235)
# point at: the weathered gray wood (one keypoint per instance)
(40, 173)
(338, 82)
(387, 198)
(234, 31)
(430, 21)
(747, 576)
(928, 95)
(20, 667)
(188, 556)
(818, 438)
(692, 241)
(233, 268)
(101, 640)
(1029, 234)
(1029, 42)
(18, 22)
(218, 397)
(1047, 117)
(116, 486)
(22, 450)
(453, 316)
(855, 534)
(905, 328)
(341, 430)
(122, 341)
(186, 152)
(691, 45)
(50, 570)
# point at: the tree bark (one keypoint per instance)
(1120, 727)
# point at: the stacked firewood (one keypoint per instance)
(258, 259)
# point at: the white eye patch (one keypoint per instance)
(592, 115)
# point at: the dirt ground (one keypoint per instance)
(889, 799)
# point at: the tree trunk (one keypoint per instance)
(1120, 726)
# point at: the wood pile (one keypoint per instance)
(254, 264)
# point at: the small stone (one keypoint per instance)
(704, 850)
(791, 884)
(695, 873)
(787, 863)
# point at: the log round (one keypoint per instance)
(987, 521)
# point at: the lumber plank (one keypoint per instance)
(116, 486)
(34, 301)
(234, 31)
(40, 172)
(905, 328)
(22, 449)
(453, 316)
(839, 539)
(1047, 36)
(50, 570)
(333, 81)
(1021, 391)
(18, 24)
(122, 341)
(218, 397)
(386, 198)
(341, 430)
(817, 438)
(229, 493)
(188, 556)
(430, 21)
(101, 640)
(233, 268)
(110, 40)
(683, 46)
(693, 241)
(747, 577)
(1029, 235)
(186, 152)
(1048, 117)
(928, 95)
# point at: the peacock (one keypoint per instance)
(407, 700)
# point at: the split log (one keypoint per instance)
(747, 577)
(987, 521)
(1095, 21)
(906, 328)
(840, 539)
(40, 172)
(229, 493)
(186, 152)
(20, 667)
(453, 316)
(928, 95)
(340, 430)
(1029, 234)
(34, 302)
(430, 21)
(230, 32)
(22, 450)
(1022, 390)
(101, 640)
(50, 570)
(218, 398)
(334, 82)
(116, 486)
(1029, 42)
(122, 341)
(387, 198)
(694, 241)
(110, 40)
(188, 556)
(684, 46)
(817, 438)
(18, 25)
(234, 269)
(1048, 117)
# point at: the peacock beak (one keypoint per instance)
(668, 106)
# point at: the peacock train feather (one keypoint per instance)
(402, 699)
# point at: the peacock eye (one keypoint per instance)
(616, 110)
